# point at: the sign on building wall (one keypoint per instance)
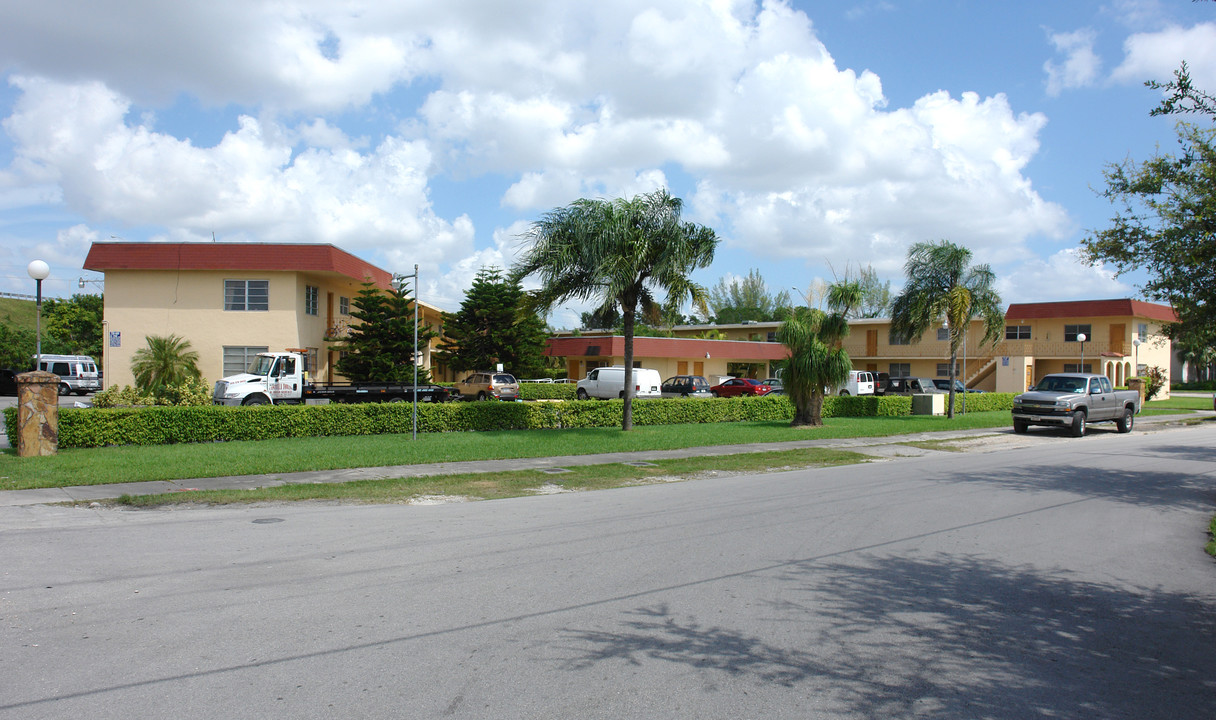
(115, 338)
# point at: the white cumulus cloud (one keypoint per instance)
(1080, 66)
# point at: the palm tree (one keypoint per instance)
(817, 359)
(167, 361)
(942, 285)
(618, 253)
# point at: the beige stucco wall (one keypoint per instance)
(190, 304)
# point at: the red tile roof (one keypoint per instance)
(287, 257)
(1124, 307)
(656, 347)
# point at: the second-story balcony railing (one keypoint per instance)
(1013, 348)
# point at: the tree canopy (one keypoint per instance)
(71, 326)
(620, 253)
(1165, 226)
(164, 363)
(494, 326)
(380, 347)
(817, 359)
(942, 285)
(875, 295)
(747, 299)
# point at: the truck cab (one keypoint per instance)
(270, 378)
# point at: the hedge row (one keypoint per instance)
(547, 391)
(98, 427)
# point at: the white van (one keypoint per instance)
(860, 382)
(609, 382)
(77, 373)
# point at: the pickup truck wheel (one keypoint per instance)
(1125, 423)
(582, 394)
(1078, 423)
(255, 400)
(1020, 427)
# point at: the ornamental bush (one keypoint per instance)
(191, 392)
(161, 424)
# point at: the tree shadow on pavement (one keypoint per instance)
(948, 636)
(1138, 487)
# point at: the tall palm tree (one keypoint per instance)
(618, 252)
(165, 362)
(943, 285)
(817, 359)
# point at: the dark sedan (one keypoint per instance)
(740, 386)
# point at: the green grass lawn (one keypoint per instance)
(491, 486)
(1180, 403)
(94, 466)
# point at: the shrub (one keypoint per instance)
(161, 424)
(192, 392)
(985, 402)
(547, 391)
(1154, 380)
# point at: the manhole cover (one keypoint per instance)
(554, 471)
(267, 521)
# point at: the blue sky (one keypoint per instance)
(815, 137)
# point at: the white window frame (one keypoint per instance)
(312, 300)
(229, 358)
(244, 290)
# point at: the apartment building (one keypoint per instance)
(232, 301)
(1122, 338)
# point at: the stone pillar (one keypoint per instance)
(1136, 384)
(37, 414)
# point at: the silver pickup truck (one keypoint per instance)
(1073, 400)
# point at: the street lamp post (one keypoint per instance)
(1136, 357)
(414, 425)
(1082, 338)
(40, 271)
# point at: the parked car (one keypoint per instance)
(944, 384)
(609, 382)
(911, 386)
(8, 382)
(880, 383)
(685, 386)
(777, 385)
(488, 386)
(740, 386)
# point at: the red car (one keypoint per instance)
(740, 386)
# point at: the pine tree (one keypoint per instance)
(379, 347)
(493, 327)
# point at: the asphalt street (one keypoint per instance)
(1058, 579)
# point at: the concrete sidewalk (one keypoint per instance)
(881, 447)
